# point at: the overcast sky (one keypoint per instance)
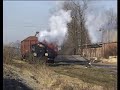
(23, 18)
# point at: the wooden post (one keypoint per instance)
(95, 52)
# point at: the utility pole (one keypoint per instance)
(102, 49)
(86, 43)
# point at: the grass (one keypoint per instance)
(96, 76)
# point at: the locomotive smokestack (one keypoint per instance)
(36, 33)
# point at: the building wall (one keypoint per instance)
(107, 49)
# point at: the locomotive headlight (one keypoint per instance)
(46, 54)
(35, 54)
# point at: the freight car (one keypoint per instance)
(31, 45)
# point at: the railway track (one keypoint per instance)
(78, 60)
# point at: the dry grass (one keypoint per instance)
(96, 76)
(63, 77)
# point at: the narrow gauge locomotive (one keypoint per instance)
(31, 45)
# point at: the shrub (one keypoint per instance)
(10, 53)
(7, 55)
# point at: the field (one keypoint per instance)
(66, 74)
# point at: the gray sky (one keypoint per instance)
(23, 18)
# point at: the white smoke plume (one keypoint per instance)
(58, 27)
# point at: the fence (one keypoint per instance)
(107, 49)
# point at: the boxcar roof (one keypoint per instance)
(30, 38)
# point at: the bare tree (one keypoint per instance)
(77, 32)
(109, 30)
(110, 25)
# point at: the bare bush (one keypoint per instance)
(35, 60)
(10, 53)
(7, 55)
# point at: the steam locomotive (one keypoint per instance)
(38, 49)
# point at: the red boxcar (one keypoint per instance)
(26, 44)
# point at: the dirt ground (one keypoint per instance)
(23, 76)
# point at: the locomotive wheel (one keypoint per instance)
(50, 60)
(23, 57)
